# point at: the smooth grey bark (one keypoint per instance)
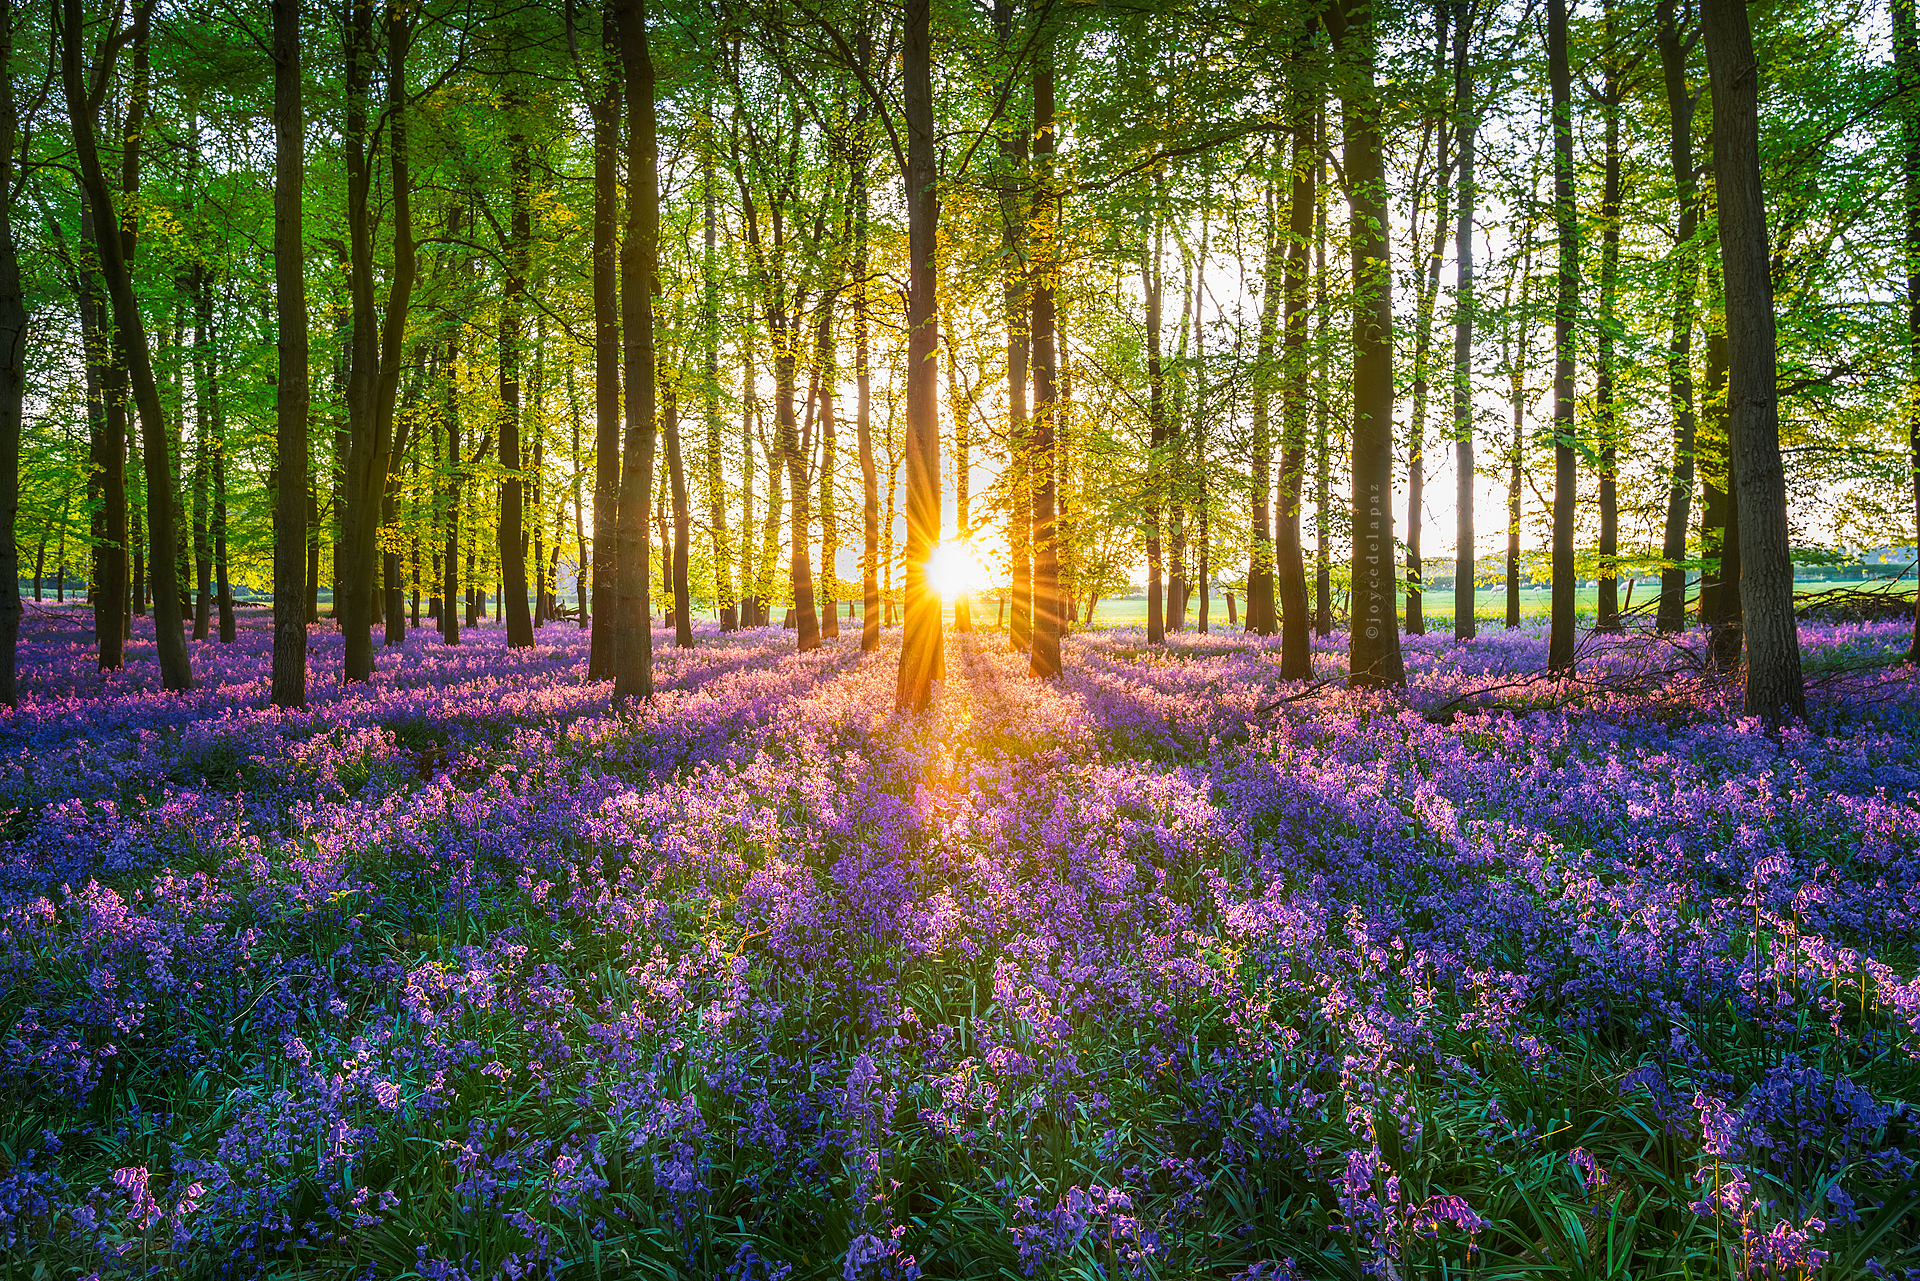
(1013, 224)
(1296, 657)
(1775, 691)
(633, 621)
(1157, 435)
(510, 540)
(13, 377)
(373, 373)
(1374, 654)
(863, 385)
(605, 110)
(176, 671)
(1043, 470)
(1906, 61)
(1560, 636)
(921, 650)
(1681, 100)
(724, 600)
(1465, 561)
(1606, 412)
(1262, 616)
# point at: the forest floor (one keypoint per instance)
(1169, 969)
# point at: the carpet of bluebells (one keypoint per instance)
(1170, 969)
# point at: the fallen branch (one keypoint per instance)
(1308, 692)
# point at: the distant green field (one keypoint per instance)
(1490, 606)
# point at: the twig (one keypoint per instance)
(1308, 692)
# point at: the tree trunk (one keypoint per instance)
(749, 579)
(660, 512)
(395, 605)
(199, 288)
(136, 505)
(1906, 60)
(1374, 657)
(1427, 292)
(863, 404)
(770, 535)
(107, 459)
(633, 619)
(682, 519)
(1013, 222)
(1072, 500)
(1044, 469)
(1672, 613)
(723, 597)
(605, 109)
(961, 409)
(1774, 690)
(1203, 556)
(511, 537)
(921, 656)
(1323, 399)
(13, 378)
(1605, 412)
(223, 588)
(795, 458)
(373, 378)
(1514, 351)
(1261, 613)
(1719, 517)
(176, 672)
(893, 491)
(829, 463)
(1465, 560)
(1175, 473)
(582, 564)
(1560, 640)
(1296, 658)
(450, 556)
(1156, 434)
(536, 486)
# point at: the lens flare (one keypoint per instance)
(952, 570)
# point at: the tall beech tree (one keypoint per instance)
(1428, 250)
(1262, 616)
(1606, 408)
(1150, 283)
(710, 393)
(1560, 636)
(1774, 690)
(1906, 60)
(377, 335)
(1044, 467)
(1296, 659)
(863, 370)
(1467, 128)
(921, 652)
(510, 532)
(13, 372)
(112, 242)
(1016, 281)
(1684, 269)
(1374, 655)
(605, 111)
(639, 253)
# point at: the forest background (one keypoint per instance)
(1177, 181)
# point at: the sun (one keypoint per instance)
(952, 571)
